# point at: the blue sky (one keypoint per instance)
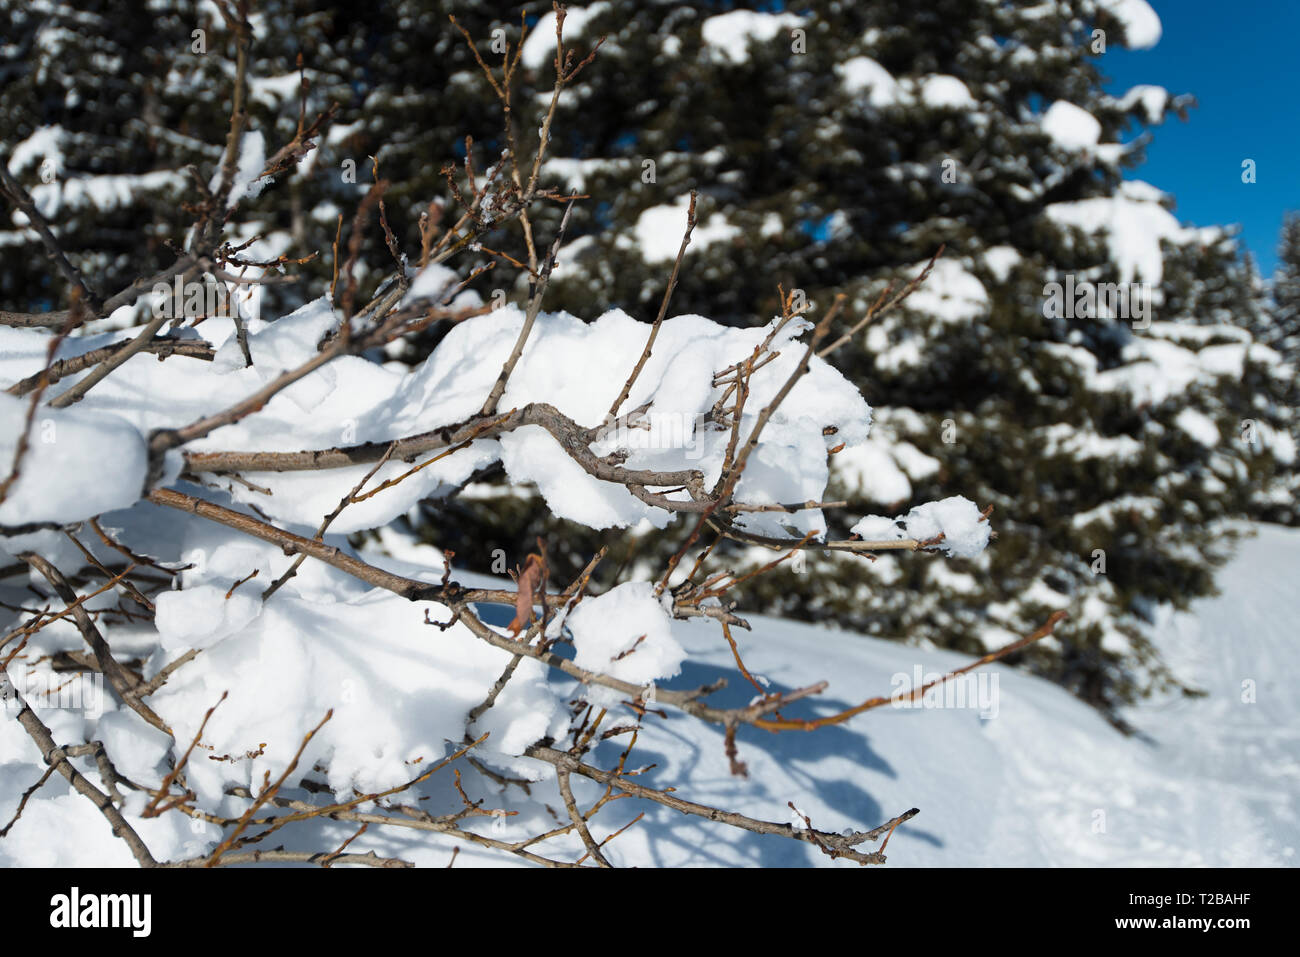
(1239, 60)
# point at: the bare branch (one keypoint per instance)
(663, 311)
(57, 758)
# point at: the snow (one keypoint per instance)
(1226, 360)
(67, 831)
(539, 44)
(890, 356)
(941, 575)
(101, 193)
(730, 34)
(397, 706)
(1141, 24)
(1070, 126)
(1018, 780)
(1152, 99)
(339, 133)
(1131, 223)
(915, 463)
(882, 469)
(43, 149)
(1081, 444)
(1281, 444)
(1236, 752)
(940, 91)
(965, 532)
(626, 634)
(276, 346)
(1146, 506)
(437, 282)
(1000, 260)
(275, 91)
(201, 616)
(871, 470)
(1023, 788)
(572, 258)
(78, 463)
(1199, 426)
(1156, 368)
(136, 746)
(659, 229)
(951, 293)
(576, 172)
(1203, 335)
(862, 73)
(353, 400)
(247, 183)
(1022, 775)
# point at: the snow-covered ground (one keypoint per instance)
(1023, 775)
(1043, 780)
(1240, 745)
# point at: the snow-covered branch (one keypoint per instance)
(216, 449)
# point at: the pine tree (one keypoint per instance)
(108, 106)
(83, 136)
(835, 147)
(1284, 334)
(835, 150)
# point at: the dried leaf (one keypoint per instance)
(530, 579)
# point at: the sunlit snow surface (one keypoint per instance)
(1040, 780)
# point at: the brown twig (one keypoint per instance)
(57, 758)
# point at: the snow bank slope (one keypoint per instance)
(1243, 740)
(1024, 775)
(1043, 780)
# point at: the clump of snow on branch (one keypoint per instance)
(626, 634)
(1142, 29)
(728, 35)
(288, 661)
(575, 366)
(965, 531)
(539, 45)
(78, 462)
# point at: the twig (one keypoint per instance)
(267, 792)
(536, 289)
(22, 199)
(123, 683)
(580, 822)
(663, 311)
(57, 757)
